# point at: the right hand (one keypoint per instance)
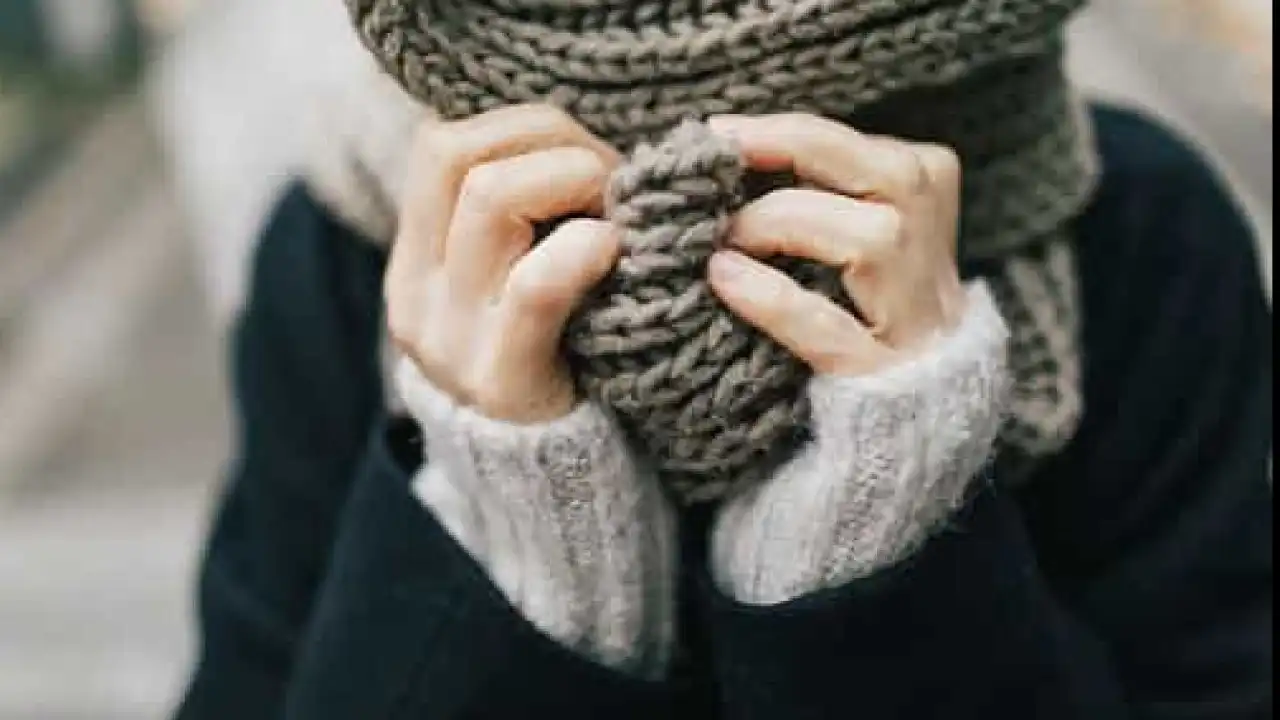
(472, 302)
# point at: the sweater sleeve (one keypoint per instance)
(573, 532)
(893, 456)
(1132, 577)
(409, 624)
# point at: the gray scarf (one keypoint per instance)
(711, 401)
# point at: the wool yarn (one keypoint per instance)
(714, 402)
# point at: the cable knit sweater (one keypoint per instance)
(576, 533)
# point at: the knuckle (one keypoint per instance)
(440, 150)
(436, 143)
(582, 227)
(586, 234)
(943, 164)
(889, 225)
(772, 209)
(914, 173)
(591, 163)
(532, 291)
(482, 188)
(548, 112)
(902, 165)
(780, 201)
(769, 217)
(546, 116)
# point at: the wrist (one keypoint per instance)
(895, 453)
(545, 400)
(571, 530)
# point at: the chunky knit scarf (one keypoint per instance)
(713, 402)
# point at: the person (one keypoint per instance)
(1034, 408)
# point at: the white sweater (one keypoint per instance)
(578, 535)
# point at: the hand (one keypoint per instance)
(883, 211)
(470, 300)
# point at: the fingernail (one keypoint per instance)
(729, 267)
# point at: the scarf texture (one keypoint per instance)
(713, 402)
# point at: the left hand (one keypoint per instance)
(883, 211)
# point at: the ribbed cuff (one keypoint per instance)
(894, 455)
(577, 537)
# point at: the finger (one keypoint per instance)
(499, 203)
(816, 225)
(444, 152)
(945, 172)
(548, 283)
(853, 235)
(812, 327)
(826, 153)
(940, 163)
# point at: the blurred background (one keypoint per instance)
(141, 144)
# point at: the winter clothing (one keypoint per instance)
(1129, 576)
(712, 401)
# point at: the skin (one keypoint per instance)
(481, 311)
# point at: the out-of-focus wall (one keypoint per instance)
(1243, 30)
(1203, 65)
(234, 96)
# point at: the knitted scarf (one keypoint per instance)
(713, 402)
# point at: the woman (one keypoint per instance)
(857, 439)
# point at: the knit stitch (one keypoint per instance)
(575, 534)
(713, 402)
(895, 455)
(712, 399)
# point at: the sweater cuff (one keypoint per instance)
(571, 530)
(893, 456)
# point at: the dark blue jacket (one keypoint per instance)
(1131, 578)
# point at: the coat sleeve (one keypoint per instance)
(409, 625)
(1134, 578)
(306, 388)
(328, 590)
